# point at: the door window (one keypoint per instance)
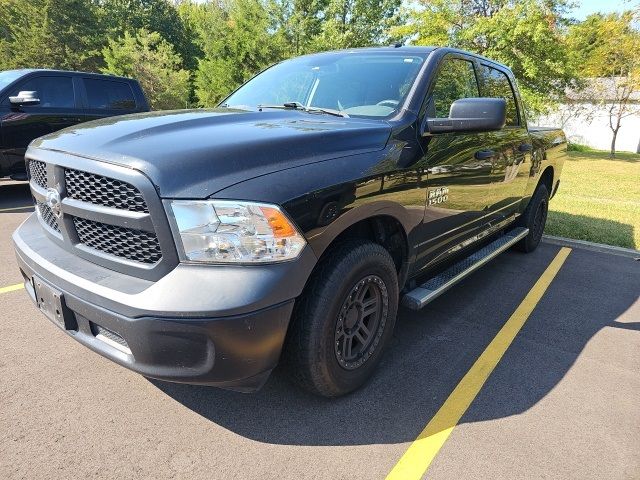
(456, 79)
(53, 92)
(496, 84)
(109, 95)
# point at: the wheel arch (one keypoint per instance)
(547, 179)
(384, 223)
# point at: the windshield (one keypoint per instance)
(358, 84)
(9, 76)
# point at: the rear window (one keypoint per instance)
(109, 95)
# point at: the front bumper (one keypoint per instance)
(213, 325)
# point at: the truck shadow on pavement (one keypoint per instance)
(15, 197)
(434, 348)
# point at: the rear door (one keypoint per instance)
(58, 108)
(458, 164)
(105, 97)
(512, 147)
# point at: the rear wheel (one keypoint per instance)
(343, 320)
(534, 218)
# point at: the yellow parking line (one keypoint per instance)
(416, 460)
(12, 288)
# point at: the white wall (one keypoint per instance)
(592, 129)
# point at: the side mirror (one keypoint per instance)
(470, 115)
(25, 98)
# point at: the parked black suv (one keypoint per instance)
(204, 246)
(37, 102)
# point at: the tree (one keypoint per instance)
(120, 16)
(527, 35)
(298, 22)
(356, 23)
(151, 60)
(49, 34)
(606, 49)
(237, 44)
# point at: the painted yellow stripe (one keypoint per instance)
(416, 460)
(11, 288)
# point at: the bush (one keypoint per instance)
(576, 147)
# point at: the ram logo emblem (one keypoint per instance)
(53, 201)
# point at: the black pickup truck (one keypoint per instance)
(37, 102)
(287, 225)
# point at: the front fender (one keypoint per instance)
(326, 198)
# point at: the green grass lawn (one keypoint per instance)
(598, 200)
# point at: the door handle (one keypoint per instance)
(525, 147)
(484, 154)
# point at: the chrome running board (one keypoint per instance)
(436, 286)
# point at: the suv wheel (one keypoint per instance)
(343, 320)
(534, 218)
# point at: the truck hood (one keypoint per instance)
(195, 153)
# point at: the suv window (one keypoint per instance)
(456, 79)
(53, 92)
(496, 84)
(109, 95)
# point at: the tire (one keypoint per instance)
(534, 218)
(325, 352)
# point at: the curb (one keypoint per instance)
(594, 247)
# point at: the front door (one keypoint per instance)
(458, 165)
(512, 147)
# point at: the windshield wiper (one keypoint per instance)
(300, 106)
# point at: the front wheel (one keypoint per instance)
(534, 218)
(343, 320)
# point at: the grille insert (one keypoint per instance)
(38, 172)
(110, 338)
(99, 190)
(134, 245)
(48, 217)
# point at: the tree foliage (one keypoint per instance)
(355, 23)
(49, 34)
(161, 16)
(150, 59)
(222, 43)
(298, 23)
(237, 43)
(527, 35)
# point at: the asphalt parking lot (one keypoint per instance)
(562, 402)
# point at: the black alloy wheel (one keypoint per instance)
(361, 322)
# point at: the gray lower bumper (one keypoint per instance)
(220, 325)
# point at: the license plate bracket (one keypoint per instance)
(50, 302)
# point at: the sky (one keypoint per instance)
(586, 7)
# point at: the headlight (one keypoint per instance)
(223, 231)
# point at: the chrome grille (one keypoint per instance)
(48, 216)
(131, 236)
(100, 190)
(134, 245)
(38, 172)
